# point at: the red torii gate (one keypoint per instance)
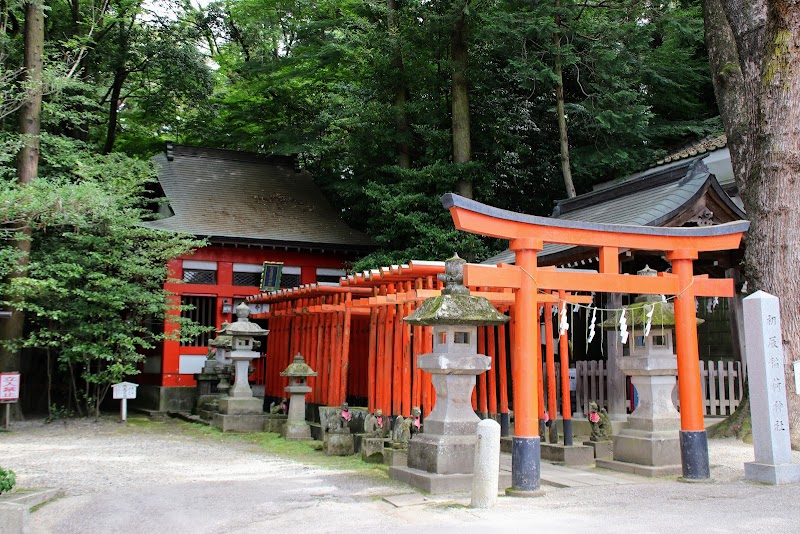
(527, 235)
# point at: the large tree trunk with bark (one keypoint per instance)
(755, 55)
(566, 171)
(459, 94)
(27, 160)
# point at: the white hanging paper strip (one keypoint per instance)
(563, 326)
(623, 327)
(575, 308)
(649, 319)
(591, 326)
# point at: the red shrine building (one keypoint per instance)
(251, 208)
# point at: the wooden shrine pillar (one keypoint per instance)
(526, 443)
(693, 437)
(566, 404)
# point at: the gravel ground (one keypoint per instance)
(164, 478)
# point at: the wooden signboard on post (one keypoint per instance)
(9, 392)
(271, 275)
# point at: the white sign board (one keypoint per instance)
(124, 390)
(9, 387)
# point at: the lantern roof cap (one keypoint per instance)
(455, 306)
(243, 326)
(298, 368)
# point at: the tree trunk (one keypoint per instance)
(562, 118)
(120, 75)
(402, 123)
(764, 140)
(27, 161)
(459, 94)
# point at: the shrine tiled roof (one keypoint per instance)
(697, 148)
(651, 198)
(235, 196)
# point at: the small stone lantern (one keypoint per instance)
(243, 334)
(651, 437)
(296, 428)
(447, 444)
(222, 349)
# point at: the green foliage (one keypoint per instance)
(7, 480)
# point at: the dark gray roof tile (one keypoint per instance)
(227, 194)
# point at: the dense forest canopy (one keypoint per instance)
(363, 92)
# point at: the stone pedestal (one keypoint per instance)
(338, 444)
(602, 449)
(447, 445)
(245, 422)
(296, 428)
(765, 373)
(567, 454)
(650, 443)
(275, 423)
(395, 458)
(241, 405)
(372, 449)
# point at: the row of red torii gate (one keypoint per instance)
(353, 335)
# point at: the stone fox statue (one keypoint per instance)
(376, 425)
(339, 422)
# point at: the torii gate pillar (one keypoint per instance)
(693, 437)
(526, 443)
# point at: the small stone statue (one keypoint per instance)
(416, 425)
(339, 424)
(406, 428)
(600, 423)
(376, 425)
(401, 434)
(279, 409)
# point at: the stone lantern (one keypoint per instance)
(296, 428)
(446, 447)
(650, 439)
(242, 334)
(222, 348)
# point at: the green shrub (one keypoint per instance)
(7, 480)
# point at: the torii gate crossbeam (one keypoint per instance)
(527, 235)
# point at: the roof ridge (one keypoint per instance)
(649, 179)
(173, 149)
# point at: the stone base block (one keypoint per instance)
(162, 399)
(641, 470)
(602, 449)
(395, 457)
(567, 454)
(433, 483)
(372, 450)
(296, 431)
(445, 455)
(241, 405)
(653, 449)
(772, 474)
(338, 445)
(239, 423)
(274, 423)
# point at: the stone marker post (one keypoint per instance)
(765, 369)
(486, 470)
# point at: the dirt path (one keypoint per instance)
(155, 478)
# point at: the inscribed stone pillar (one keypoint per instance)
(765, 364)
